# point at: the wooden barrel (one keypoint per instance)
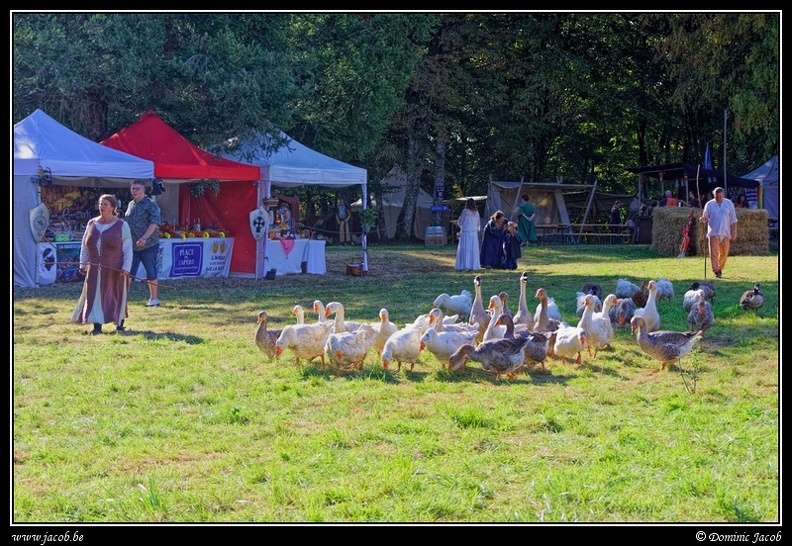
(435, 236)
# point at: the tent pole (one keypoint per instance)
(725, 181)
(263, 248)
(516, 199)
(588, 206)
(364, 238)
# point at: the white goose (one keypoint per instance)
(438, 321)
(459, 304)
(319, 309)
(349, 349)
(602, 325)
(691, 298)
(569, 343)
(305, 340)
(494, 330)
(299, 314)
(340, 325)
(649, 311)
(404, 345)
(385, 330)
(443, 344)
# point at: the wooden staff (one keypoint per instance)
(69, 261)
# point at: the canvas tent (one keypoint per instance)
(72, 160)
(547, 199)
(177, 161)
(767, 177)
(292, 165)
(393, 202)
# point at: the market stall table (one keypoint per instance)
(192, 257)
(287, 255)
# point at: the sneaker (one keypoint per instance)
(152, 303)
(718, 273)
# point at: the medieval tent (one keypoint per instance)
(181, 165)
(547, 199)
(46, 152)
(683, 178)
(393, 201)
(767, 176)
(292, 165)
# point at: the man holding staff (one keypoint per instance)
(722, 229)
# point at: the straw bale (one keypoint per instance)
(668, 223)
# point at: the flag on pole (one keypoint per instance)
(707, 158)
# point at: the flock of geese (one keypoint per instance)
(502, 341)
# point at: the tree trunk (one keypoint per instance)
(439, 182)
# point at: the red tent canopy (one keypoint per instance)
(177, 160)
(174, 156)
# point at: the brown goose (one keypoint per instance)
(478, 315)
(523, 315)
(502, 356)
(701, 316)
(265, 339)
(538, 342)
(666, 346)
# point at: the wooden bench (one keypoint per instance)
(581, 233)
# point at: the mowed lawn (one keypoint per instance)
(182, 420)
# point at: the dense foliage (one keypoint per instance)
(455, 98)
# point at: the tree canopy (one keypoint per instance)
(455, 98)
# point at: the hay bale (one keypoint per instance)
(752, 234)
(667, 226)
(668, 223)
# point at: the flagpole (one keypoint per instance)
(725, 182)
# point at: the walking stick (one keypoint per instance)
(69, 261)
(706, 239)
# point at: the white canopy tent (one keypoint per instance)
(294, 165)
(767, 176)
(42, 145)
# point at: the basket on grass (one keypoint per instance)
(356, 270)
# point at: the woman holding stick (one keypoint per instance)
(105, 260)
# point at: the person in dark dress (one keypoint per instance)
(511, 247)
(492, 242)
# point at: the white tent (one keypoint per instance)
(294, 165)
(393, 202)
(69, 159)
(767, 176)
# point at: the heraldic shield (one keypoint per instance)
(259, 220)
(39, 221)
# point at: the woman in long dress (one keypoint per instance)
(526, 229)
(491, 244)
(469, 223)
(105, 260)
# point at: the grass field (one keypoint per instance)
(181, 420)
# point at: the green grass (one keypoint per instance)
(182, 420)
